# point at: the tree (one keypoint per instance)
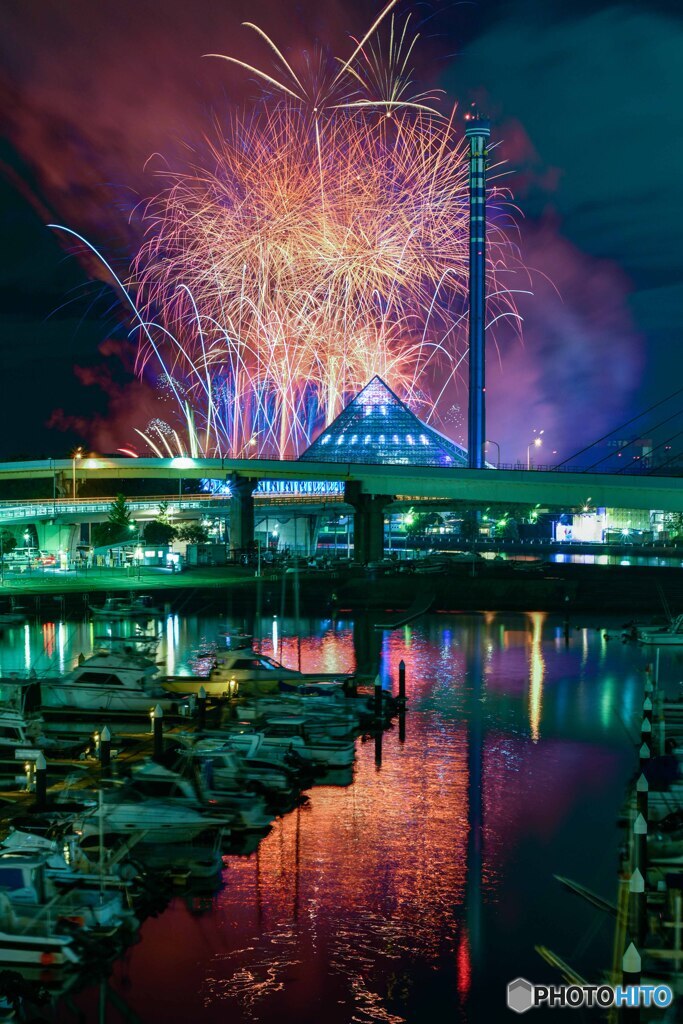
(119, 513)
(119, 525)
(416, 523)
(7, 542)
(193, 533)
(159, 532)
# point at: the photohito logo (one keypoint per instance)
(523, 996)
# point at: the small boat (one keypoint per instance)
(293, 733)
(225, 766)
(21, 739)
(244, 671)
(31, 887)
(29, 942)
(244, 811)
(320, 713)
(140, 607)
(109, 681)
(663, 635)
(150, 820)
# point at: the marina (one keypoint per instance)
(292, 845)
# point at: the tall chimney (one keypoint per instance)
(477, 131)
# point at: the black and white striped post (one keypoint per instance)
(158, 732)
(41, 782)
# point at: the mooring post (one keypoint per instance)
(636, 888)
(647, 710)
(41, 782)
(402, 680)
(158, 728)
(644, 755)
(378, 698)
(646, 731)
(105, 749)
(630, 966)
(642, 790)
(201, 709)
(640, 845)
(378, 747)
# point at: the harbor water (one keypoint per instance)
(419, 885)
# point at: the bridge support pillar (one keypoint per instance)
(53, 535)
(368, 522)
(241, 512)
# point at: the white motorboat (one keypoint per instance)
(110, 681)
(225, 766)
(26, 941)
(663, 635)
(244, 671)
(292, 734)
(115, 608)
(21, 738)
(150, 820)
(245, 811)
(320, 713)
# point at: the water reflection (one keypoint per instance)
(422, 887)
(536, 673)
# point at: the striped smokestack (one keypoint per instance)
(477, 131)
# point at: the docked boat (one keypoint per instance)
(245, 671)
(21, 739)
(121, 680)
(244, 810)
(226, 764)
(26, 879)
(663, 635)
(115, 608)
(150, 820)
(27, 941)
(320, 713)
(292, 735)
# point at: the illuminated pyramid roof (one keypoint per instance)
(377, 427)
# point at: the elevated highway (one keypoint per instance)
(369, 489)
(560, 489)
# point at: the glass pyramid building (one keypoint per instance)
(376, 427)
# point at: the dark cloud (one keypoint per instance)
(586, 98)
(597, 88)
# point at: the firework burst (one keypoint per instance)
(322, 239)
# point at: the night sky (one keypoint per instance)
(586, 103)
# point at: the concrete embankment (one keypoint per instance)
(628, 590)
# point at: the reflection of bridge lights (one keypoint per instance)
(536, 673)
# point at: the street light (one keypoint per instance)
(497, 450)
(536, 443)
(78, 454)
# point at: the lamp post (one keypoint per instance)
(78, 454)
(497, 451)
(536, 443)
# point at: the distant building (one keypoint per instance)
(376, 427)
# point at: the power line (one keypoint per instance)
(620, 427)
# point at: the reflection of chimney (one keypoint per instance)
(477, 131)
